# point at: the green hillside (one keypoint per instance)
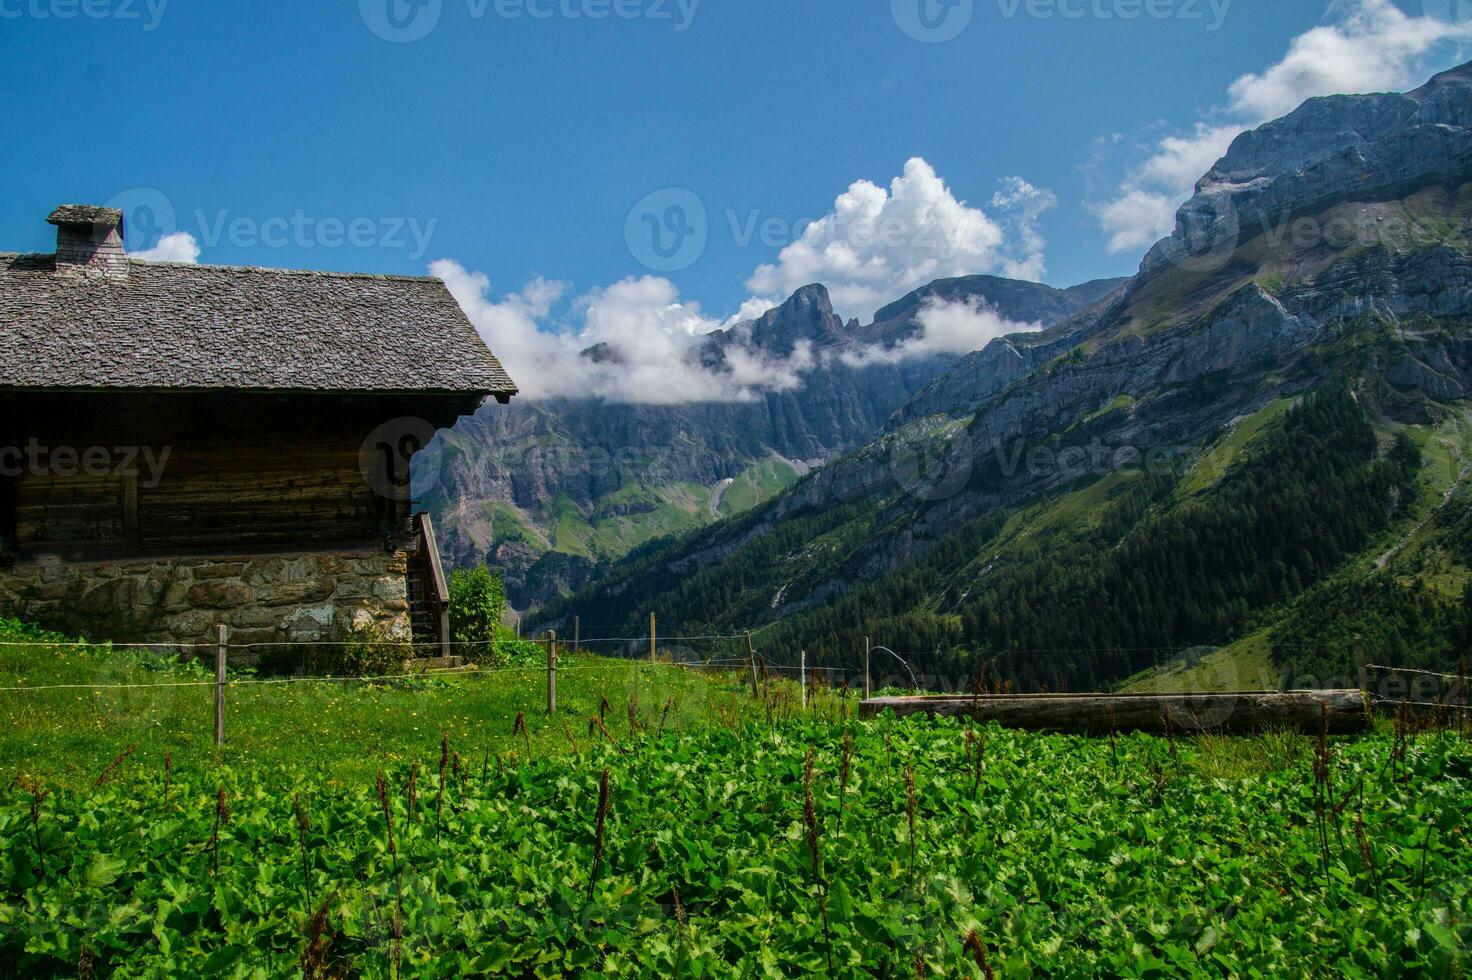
(1265, 542)
(1231, 471)
(760, 482)
(619, 522)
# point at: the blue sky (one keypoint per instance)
(516, 145)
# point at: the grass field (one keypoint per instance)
(349, 729)
(745, 838)
(758, 483)
(1246, 665)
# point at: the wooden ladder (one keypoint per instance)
(428, 592)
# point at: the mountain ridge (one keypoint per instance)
(546, 491)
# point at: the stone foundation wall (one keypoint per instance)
(291, 598)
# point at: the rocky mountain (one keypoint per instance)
(546, 491)
(1271, 420)
(1363, 147)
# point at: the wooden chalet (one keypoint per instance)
(186, 445)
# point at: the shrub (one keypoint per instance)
(368, 652)
(365, 651)
(15, 631)
(477, 605)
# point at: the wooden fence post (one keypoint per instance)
(577, 633)
(802, 677)
(751, 659)
(220, 684)
(552, 672)
(652, 641)
(1359, 656)
(868, 690)
(1462, 693)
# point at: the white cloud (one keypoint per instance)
(656, 339)
(1373, 47)
(510, 328)
(651, 341)
(959, 328)
(1025, 204)
(877, 244)
(1367, 46)
(751, 308)
(538, 296)
(946, 327)
(1179, 161)
(1138, 217)
(179, 246)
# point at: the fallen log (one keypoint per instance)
(1097, 714)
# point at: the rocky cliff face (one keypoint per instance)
(1349, 214)
(1332, 149)
(1172, 390)
(806, 317)
(546, 490)
(1033, 420)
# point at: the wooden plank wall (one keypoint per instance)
(7, 513)
(76, 511)
(219, 496)
(9, 439)
(239, 476)
(310, 489)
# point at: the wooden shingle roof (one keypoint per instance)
(198, 327)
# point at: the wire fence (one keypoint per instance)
(125, 696)
(224, 651)
(727, 652)
(1413, 670)
(1454, 699)
(343, 679)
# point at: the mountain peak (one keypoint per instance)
(813, 296)
(806, 316)
(1333, 148)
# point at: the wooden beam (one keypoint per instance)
(1228, 713)
(439, 589)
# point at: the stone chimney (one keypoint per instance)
(89, 240)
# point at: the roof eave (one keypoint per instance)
(502, 395)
